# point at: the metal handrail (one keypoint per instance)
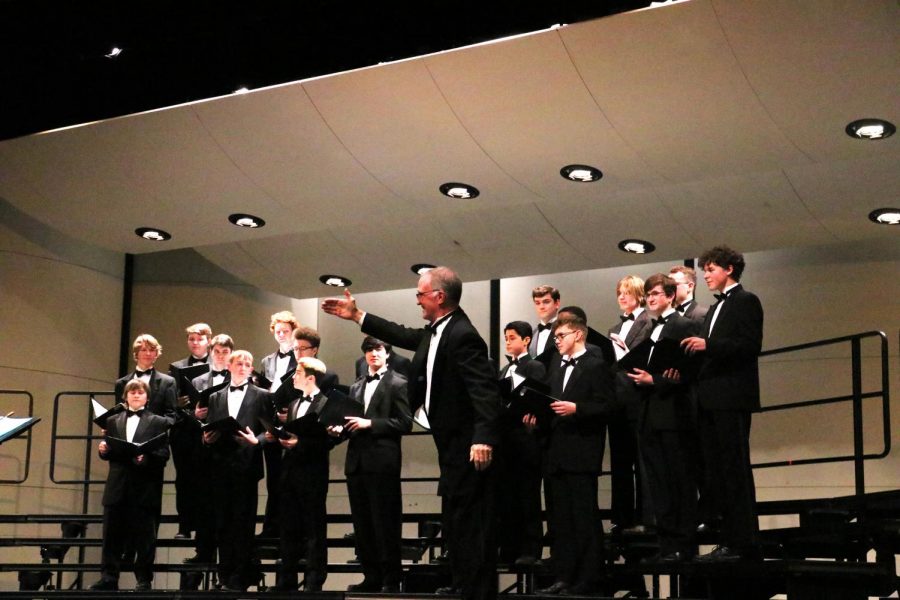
(26, 437)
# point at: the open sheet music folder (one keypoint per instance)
(11, 427)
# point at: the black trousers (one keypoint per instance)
(725, 441)
(577, 528)
(518, 504)
(624, 471)
(670, 477)
(272, 455)
(376, 506)
(234, 500)
(186, 442)
(128, 525)
(304, 489)
(469, 511)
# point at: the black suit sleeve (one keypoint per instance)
(480, 381)
(744, 341)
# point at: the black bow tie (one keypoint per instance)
(570, 362)
(374, 377)
(512, 361)
(543, 326)
(285, 354)
(219, 373)
(139, 373)
(306, 399)
(196, 361)
(659, 321)
(236, 388)
(629, 317)
(721, 297)
(682, 307)
(133, 413)
(434, 326)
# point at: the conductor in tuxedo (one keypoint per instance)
(728, 393)
(573, 444)
(519, 461)
(235, 468)
(163, 391)
(628, 493)
(304, 484)
(454, 384)
(666, 422)
(133, 492)
(372, 469)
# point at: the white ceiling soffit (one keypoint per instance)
(712, 121)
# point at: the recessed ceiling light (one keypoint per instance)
(581, 173)
(636, 246)
(870, 129)
(421, 268)
(242, 220)
(335, 280)
(153, 234)
(114, 52)
(460, 191)
(885, 216)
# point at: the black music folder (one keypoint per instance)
(226, 426)
(187, 373)
(131, 449)
(200, 398)
(261, 381)
(276, 430)
(338, 407)
(306, 426)
(656, 357)
(595, 338)
(11, 426)
(101, 414)
(528, 396)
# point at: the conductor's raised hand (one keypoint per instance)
(345, 307)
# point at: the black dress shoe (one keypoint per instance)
(105, 585)
(675, 557)
(447, 591)
(554, 589)
(143, 586)
(720, 554)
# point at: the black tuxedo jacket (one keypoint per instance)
(202, 382)
(162, 398)
(729, 370)
(575, 442)
(549, 354)
(137, 484)
(666, 405)
(395, 362)
(227, 454)
(310, 451)
(267, 365)
(377, 450)
(640, 331)
(465, 401)
(696, 312)
(184, 362)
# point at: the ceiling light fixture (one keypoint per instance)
(636, 246)
(335, 280)
(421, 268)
(116, 51)
(581, 173)
(153, 234)
(460, 191)
(885, 216)
(870, 129)
(244, 220)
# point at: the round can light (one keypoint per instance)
(885, 216)
(153, 234)
(581, 173)
(636, 246)
(244, 220)
(421, 268)
(870, 129)
(335, 280)
(459, 191)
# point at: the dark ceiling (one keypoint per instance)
(55, 74)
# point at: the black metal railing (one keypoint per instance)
(26, 437)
